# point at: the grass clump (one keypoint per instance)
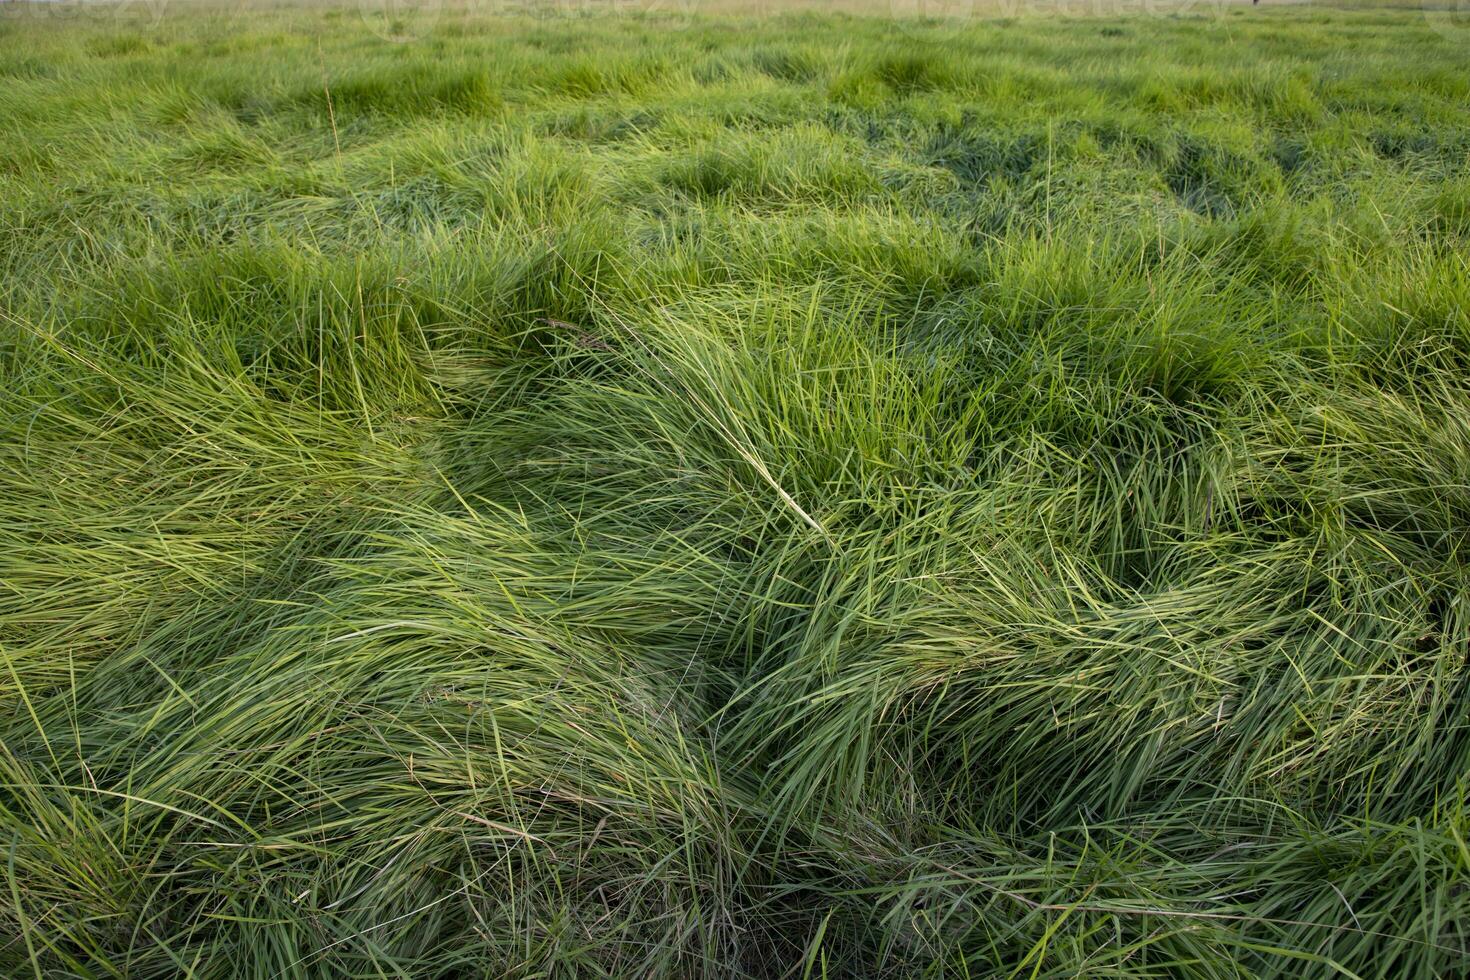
(776, 497)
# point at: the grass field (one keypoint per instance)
(665, 494)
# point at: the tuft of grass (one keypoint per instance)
(732, 496)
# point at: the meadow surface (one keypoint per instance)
(640, 494)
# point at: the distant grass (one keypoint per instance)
(802, 496)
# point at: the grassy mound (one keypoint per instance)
(787, 497)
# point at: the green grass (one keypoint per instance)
(802, 496)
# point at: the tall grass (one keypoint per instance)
(797, 497)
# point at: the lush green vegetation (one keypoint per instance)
(784, 497)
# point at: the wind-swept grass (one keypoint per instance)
(801, 496)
